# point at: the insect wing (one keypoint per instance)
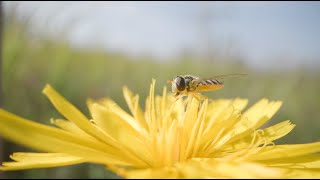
(213, 83)
(227, 76)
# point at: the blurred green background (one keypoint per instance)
(31, 61)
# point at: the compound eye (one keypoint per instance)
(180, 83)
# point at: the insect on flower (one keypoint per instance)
(184, 85)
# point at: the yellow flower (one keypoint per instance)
(170, 139)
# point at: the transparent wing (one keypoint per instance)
(220, 77)
(228, 76)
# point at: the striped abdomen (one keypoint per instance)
(209, 82)
(209, 85)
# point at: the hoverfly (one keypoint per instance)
(184, 85)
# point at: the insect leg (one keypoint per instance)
(178, 95)
(199, 96)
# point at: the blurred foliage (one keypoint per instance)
(31, 61)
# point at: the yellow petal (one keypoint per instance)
(254, 116)
(307, 173)
(118, 111)
(122, 132)
(239, 104)
(196, 132)
(70, 126)
(159, 112)
(108, 121)
(133, 104)
(221, 131)
(82, 122)
(150, 112)
(212, 168)
(224, 115)
(49, 139)
(260, 109)
(277, 131)
(39, 160)
(73, 114)
(200, 136)
(304, 161)
(222, 126)
(148, 173)
(286, 151)
(163, 106)
(269, 134)
(188, 122)
(215, 110)
(172, 144)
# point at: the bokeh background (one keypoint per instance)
(92, 49)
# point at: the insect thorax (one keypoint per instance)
(189, 80)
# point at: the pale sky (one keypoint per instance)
(263, 32)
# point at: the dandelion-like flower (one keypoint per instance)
(170, 139)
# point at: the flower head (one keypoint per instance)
(169, 139)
